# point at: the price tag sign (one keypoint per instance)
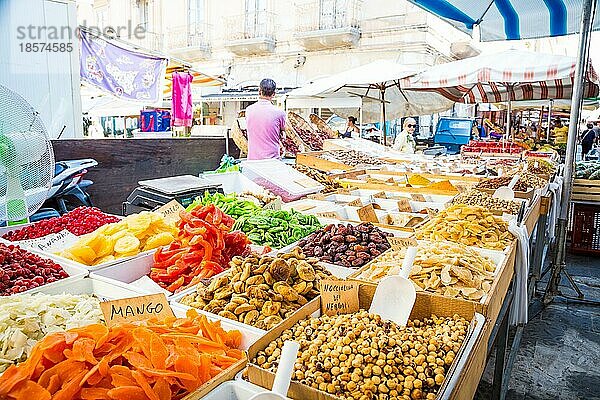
(307, 182)
(404, 205)
(339, 297)
(136, 309)
(316, 196)
(50, 243)
(328, 214)
(343, 191)
(400, 242)
(367, 214)
(356, 203)
(274, 205)
(436, 171)
(391, 180)
(417, 197)
(170, 211)
(380, 195)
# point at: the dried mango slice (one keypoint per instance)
(127, 244)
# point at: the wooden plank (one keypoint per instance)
(395, 188)
(532, 216)
(586, 182)
(124, 162)
(585, 197)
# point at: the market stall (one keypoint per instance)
(281, 252)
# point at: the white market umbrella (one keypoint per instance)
(507, 76)
(377, 84)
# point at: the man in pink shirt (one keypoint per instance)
(265, 124)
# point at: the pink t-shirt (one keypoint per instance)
(264, 122)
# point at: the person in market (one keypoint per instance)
(405, 142)
(588, 138)
(265, 124)
(560, 131)
(352, 130)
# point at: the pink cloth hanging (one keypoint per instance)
(182, 99)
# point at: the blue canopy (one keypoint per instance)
(510, 19)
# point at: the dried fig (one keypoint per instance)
(271, 308)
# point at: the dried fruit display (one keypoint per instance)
(26, 319)
(80, 221)
(532, 181)
(352, 158)
(540, 166)
(362, 356)
(495, 183)
(446, 268)
(203, 248)
(289, 146)
(469, 225)
(349, 245)
(477, 198)
(323, 179)
(261, 291)
(277, 229)
(128, 237)
(21, 270)
(152, 360)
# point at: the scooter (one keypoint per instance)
(69, 189)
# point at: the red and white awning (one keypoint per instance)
(500, 77)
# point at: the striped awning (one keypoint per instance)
(499, 77)
(510, 19)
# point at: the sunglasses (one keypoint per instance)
(411, 126)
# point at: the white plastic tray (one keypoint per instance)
(233, 182)
(123, 274)
(280, 178)
(238, 389)
(75, 272)
(103, 290)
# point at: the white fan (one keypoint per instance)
(26, 159)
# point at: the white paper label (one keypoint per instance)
(51, 243)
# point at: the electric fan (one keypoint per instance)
(26, 159)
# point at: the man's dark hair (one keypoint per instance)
(267, 87)
(352, 119)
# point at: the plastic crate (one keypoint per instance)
(585, 237)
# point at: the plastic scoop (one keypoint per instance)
(281, 384)
(395, 295)
(507, 192)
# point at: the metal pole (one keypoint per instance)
(508, 121)
(549, 119)
(589, 9)
(382, 91)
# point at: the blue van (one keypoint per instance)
(453, 132)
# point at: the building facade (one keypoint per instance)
(293, 42)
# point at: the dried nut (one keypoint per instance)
(360, 355)
(238, 287)
(255, 280)
(246, 272)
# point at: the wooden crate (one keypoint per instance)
(424, 306)
(311, 159)
(586, 190)
(393, 187)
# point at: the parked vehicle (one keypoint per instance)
(453, 132)
(69, 189)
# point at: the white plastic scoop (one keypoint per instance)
(507, 192)
(395, 295)
(281, 384)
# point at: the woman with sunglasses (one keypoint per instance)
(405, 142)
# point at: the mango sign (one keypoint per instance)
(136, 309)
